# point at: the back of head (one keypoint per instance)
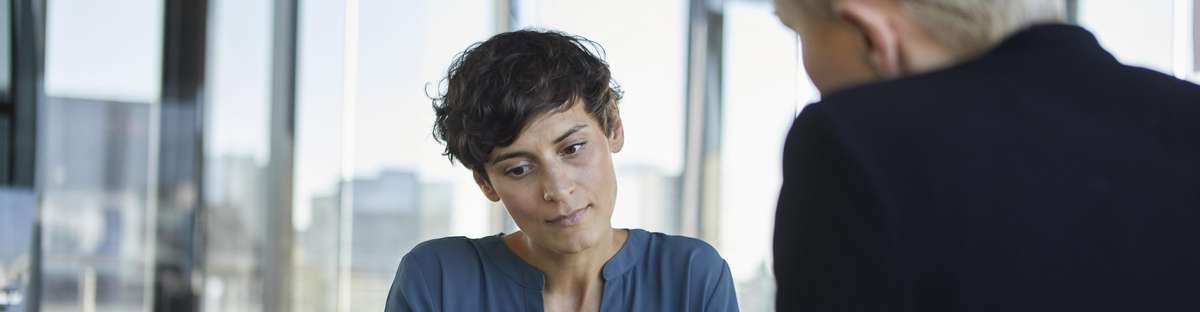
(964, 27)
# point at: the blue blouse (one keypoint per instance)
(651, 272)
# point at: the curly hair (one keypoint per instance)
(497, 86)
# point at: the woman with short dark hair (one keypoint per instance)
(534, 115)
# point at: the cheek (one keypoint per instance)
(600, 178)
(521, 201)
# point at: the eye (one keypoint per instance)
(573, 148)
(518, 171)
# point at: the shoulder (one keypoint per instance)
(1164, 86)
(431, 257)
(707, 275)
(451, 258)
(924, 97)
(443, 246)
(457, 257)
(905, 109)
(428, 269)
(433, 252)
(897, 101)
(697, 256)
(840, 115)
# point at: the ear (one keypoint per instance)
(616, 136)
(873, 18)
(486, 187)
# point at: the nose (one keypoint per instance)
(558, 184)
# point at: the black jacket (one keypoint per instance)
(1040, 176)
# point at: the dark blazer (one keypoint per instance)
(1040, 176)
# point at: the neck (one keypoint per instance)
(921, 52)
(923, 58)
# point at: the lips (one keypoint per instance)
(571, 218)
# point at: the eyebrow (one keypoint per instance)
(569, 132)
(509, 155)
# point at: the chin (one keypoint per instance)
(578, 241)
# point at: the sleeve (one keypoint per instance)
(723, 298)
(409, 291)
(827, 247)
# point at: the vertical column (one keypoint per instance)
(702, 134)
(28, 25)
(279, 241)
(1073, 11)
(28, 21)
(178, 235)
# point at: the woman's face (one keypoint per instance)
(556, 180)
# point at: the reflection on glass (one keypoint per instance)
(646, 52)
(235, 154)
(95, 212)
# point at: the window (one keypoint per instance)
(97, 138)
(368, 180)
(236, 154)
(371, 181)
(318, 152)
(16, 227)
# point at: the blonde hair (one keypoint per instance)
(965, 27)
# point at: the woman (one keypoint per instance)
(534, 115)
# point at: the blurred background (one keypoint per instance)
(275, 155)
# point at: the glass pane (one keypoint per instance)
(16, 235)
(765, 87)
(95, 214)
(647, 53)
(236, 154)
(383, 163)
(318, 154)
(90, 54)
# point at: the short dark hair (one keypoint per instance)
(495, 87)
